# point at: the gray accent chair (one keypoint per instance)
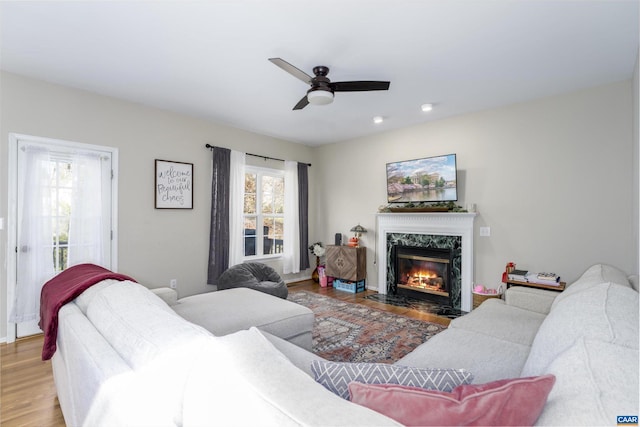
(253, 275)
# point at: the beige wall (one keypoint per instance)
(155, 245)
(553, 178)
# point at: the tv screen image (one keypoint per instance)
(430, 179)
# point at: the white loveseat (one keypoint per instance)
(126, 358)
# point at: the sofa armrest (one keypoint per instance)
(168, 295)
(537, 300)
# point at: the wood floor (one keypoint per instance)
(28, 394)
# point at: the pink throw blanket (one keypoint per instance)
(63, 288)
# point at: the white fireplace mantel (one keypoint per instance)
(433, 223)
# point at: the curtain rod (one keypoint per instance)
(209, 146)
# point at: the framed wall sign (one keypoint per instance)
(173, 185)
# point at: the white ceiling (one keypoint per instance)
(209, 58)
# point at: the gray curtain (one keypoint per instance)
(303, 211)
(219, 231)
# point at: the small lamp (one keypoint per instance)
(357, 230)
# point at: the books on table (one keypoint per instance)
(518, 275)
(551, 279)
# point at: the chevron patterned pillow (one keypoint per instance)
(336, 376)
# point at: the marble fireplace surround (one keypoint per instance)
(428, 224)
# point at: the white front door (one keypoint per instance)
(63, 206)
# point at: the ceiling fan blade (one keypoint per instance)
(358, 86)
(295, 72)
(302, 103)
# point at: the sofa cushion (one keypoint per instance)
(335, 376)
(486, 357)
(593, 276)
(137, 323)
(508, 402)
(231, 310)
(242, 380)
(502, 321)
(156, 343)
(531, 299)
(595, 382)
(605, 312)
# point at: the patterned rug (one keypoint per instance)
(347, 332)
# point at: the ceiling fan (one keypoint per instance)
(322, 89)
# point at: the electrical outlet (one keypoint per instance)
(173, 283)
(485, 231)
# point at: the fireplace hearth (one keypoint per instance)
(423, 273)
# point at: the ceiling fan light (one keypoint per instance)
(378, 119)
(426, 107)
(320, 97)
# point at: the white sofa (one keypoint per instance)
(126, 358)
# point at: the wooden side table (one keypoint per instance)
(346, 262)
(559, 288)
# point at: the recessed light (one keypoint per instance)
(378, 119)
(426, 107)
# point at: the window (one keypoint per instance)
(263, 212)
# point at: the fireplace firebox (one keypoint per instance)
(423, 273)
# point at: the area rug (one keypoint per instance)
(347, 332)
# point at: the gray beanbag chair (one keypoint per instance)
(253, 275)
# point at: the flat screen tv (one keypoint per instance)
(430, 179)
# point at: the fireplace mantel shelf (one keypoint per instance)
(429, 223)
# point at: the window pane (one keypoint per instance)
(278, 195)
(249, 203)
(249, 236)
(278, 203)
(249, 246)
(250, 183)
(267, 240)
(267, 184)
(267, 203)
(273, 235)
(278, 235)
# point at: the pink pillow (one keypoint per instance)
(509, 402)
